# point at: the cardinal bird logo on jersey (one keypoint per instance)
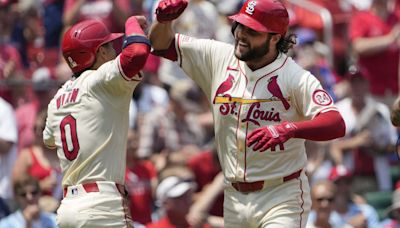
(276, 91)
(225, 86)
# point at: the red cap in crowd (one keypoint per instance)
(339, 172)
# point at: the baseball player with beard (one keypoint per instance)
(88, 122)
(264, 105)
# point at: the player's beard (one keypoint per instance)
(254, 53)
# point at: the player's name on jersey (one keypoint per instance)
(67, 98)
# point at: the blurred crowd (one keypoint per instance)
(172, 171)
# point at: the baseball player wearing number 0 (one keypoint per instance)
(264, 106)
(88, 122)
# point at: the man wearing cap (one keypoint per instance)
(369, 138)
(44, 87)
(350, 209)
(264, 106)
(322, 213)
(174, 196)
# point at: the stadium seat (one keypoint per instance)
(380, 201)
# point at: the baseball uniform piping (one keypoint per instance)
(302, 201)
(326, 110)
(126, 210)
(255, 85)
(179, 50)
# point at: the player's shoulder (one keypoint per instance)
(292, 69)
(219, 45)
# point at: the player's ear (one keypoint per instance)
(102, 50)
(104, 53)
(101, 57)
(275, 37)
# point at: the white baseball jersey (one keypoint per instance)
(243, 100)
(88, 124)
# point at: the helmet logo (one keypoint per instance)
(250, 7)
(72, 63)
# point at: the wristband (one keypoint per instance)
(135, 39)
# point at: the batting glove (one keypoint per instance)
(268, 137)
(168, 10)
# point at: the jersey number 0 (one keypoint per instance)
(69, 123)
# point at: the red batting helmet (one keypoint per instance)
(81, 42)
(263, 16)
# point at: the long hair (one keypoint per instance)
(286, 43)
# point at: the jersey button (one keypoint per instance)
(240, 174)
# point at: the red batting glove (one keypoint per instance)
(271, 136)
(168, 10)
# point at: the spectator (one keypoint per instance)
(52, 22)
(44, 87)
(197, 11)
(369, 137)
(27, 193)
(10, 59)
(7, 19)
(174, 195)
(319, 163)
(393, 212)
(33, 34)
(10, 74)
(172, 129)
(146, 98)
(207, 200)
(113, 13)
(374, 36)
(322, 212)
(312, 56)
(205, 167)
(350, 209)
(8, 148)
(40, 162)
(140, 181)
(340, 13)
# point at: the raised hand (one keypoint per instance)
(168, 10)
(142, 21)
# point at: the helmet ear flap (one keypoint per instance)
(233, 28)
